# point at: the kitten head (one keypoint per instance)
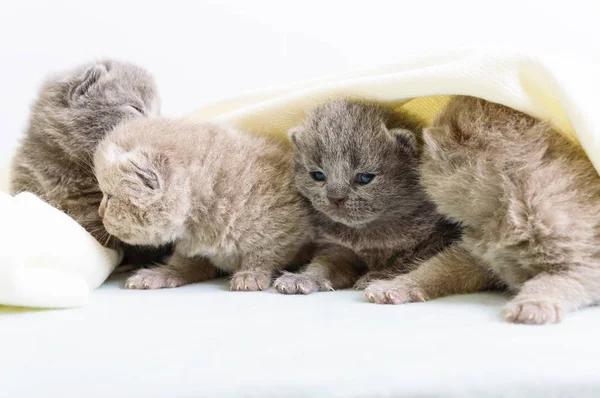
(84, 104)
(145, 201)
(356, 161)
(458, 153)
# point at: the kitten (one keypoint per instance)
(529, 200)
(357, 164)
(224, 198)
(72, 114)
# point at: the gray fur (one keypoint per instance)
(387, 224)
(74, 111)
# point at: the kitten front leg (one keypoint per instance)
(371, 277)
(333, 267)
(378, 264)
(178, 271)
(546, 297)
(259, 263)
(255, 273)
(454, 271)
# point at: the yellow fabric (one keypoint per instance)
(425, 108)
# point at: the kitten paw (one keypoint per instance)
(532, 312)
(154, 278)
(250, 281)
(393, 292)
(369, 278)
(289, 283)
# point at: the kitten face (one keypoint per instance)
(94, 99)
(138, 205)
(354, 164)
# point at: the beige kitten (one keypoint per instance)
(224, 198)
(357, 162)
(529, 200)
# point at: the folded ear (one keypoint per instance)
(430, 144)
(406, 139)
(90, 77)
(151, 169)
(294, 135)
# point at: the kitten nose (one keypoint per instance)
(337, 200)
(101, 212)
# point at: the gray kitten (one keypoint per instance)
(73, 113)
(224, 198)
(357, 163)
(529, 200)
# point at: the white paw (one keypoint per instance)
(250, 281)
(532, 312)
(289, 283)
(154, 278)
(393, 292)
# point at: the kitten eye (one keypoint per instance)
(317, 176)
(364, 178)
(108, 197)
(137, 109)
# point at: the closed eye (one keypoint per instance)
(138, 109)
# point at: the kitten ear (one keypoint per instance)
(406, 139)
(150, 169)
(88, 79)
(294, 133)
(430, 145)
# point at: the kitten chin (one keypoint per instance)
(73, 112)
(353, 222)
(361, 159)
(168, 181)
(531, 215)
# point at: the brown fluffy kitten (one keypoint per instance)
(357, 164)
(225, 199)
(73, 113)
(529, 200)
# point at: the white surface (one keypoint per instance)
(203, 340)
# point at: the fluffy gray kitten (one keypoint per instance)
(357, 163)
(529, 200)
(74, 111)
(224, 198)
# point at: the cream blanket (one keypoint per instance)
(59, 272)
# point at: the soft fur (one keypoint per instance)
(364, 229)
(73, 113)
(224, 198)
(529, 200)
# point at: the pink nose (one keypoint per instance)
(336, 201)
(101, 212)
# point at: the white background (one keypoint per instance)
(201, 51)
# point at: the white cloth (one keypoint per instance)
(48, 259)
(561, 90)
